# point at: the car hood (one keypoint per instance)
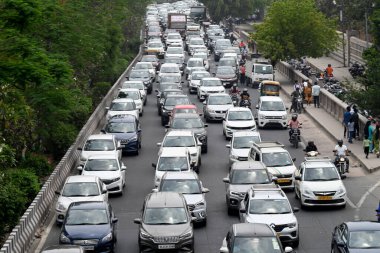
(103, 174)
(87, 154)
(239, 187)
(140, 78)
(87, 231)
(220, 107)
(225, 76)
(242, 123)
(273, 113)
(124, 136)
(241, 152)
(323, 185)
(166, 230)
(192, 199)
(282, 170)
(277, 219)
(212, 88)
(66, 201)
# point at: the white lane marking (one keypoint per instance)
(365, 195)
(349, 202)
(45, 235)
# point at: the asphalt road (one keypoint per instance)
(316, 225)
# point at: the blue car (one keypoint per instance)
(127, 131)
(91, 225)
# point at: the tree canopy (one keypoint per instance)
(293, 28)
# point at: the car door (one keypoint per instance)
(338, 239)
(103, 189)
(298, 173)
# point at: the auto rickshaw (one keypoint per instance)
(269, 88)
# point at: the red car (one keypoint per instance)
(184, 109)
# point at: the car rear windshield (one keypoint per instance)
(365, 239)
(80, 189)
(172, 164)
(172, 101)
(184, 186)
(135, 95)
(101, 165)
(269, 206)
(77, 217)
(277, 159)
(220, 100)
(127, 106)
(121, 127)
(99, 145)
(179, 141)
(256, 244)
(245, 141)
(181, 123)
(249, 177)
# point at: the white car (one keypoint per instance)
(155, 47)
(169, 68)
(202, 50)
(208, 86)
(204, 56)
(195, 43)
(270, 111)
(148, 66)
(216, 105)
(176, 139)
(78, 189)
(135, 95)
(238, 119)
(136, 85)
(193, 63)
(317, 183)
(99, 144)
(195, 80)
(171, 159)
(173, 38)
(240, 145)
(110, 169)
(175, 52)
(122, 106)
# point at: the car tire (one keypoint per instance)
(141, 113)
(204, 150)
(162, 121)
(145, 101)
(199, 162)
(204, 222)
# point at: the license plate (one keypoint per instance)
(88, 247)
(283, 180)
(324, 197)
(166, 246)
(272, 120)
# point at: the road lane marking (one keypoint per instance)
(362, 199)
(45, 235)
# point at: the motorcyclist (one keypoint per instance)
(244, 96)
(341, 150)
(295, 95)
(234, 89)
(311, 147)
(293, 124)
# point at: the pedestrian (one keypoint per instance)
(242, 74)
(346, 119)
(241, 45)
(315, 90)
(329, 71)
(307, 92)
(366, 143)
(366, 126)
(371, 129)
(351, 130)
(297, 85)
(355, 118)
(376, 140)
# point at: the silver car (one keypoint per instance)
(216, 106)
(240, 145)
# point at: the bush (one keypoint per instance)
(38, 164)
(24, 180)
(99, 90)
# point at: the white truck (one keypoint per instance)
(258, 71)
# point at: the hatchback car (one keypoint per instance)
(195, 43)
(175, 52)
(144, 76)
(173, 38)
(228, 62)
(144, 66)
(135, 95)
(122, 106)
(152, 59)
(170, 102)
(165, 90)
(240, 145)
(177, 60)
(238, 119)
(184, 109)
(165, 224)
(79, 189)
(193, 63)
(169, 68)
(271, 111)
(91, 225)
(137, 85)
(195, 80)
(216, 105)
(227, 75)
(155, 47)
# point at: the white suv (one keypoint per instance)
(240, 145)
(268, 204)
(209, 85)
(271, 110)
(238, 119)
(135, 95)
(317, 183)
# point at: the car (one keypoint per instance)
(195, 43)
(100, 144)
(252, 237)
(204, 56)
(109, 169)
(268, 204)
(242, 176)
(271, 111)
(122, 106)
(192, 63)
(220, 44)
(228, 62)
(356, 236)
(146, 65)
(175, 139)
(169, 68)
(177, 60)
(189, 185)
(317, 183)
(169, 103)
(227, 75)
(154, 32)
(136, 85)
(172, 159)
(152, 59)
(91, 225)
(183, 109)
(216, 105)
(171, 78)
(77, 189)
(238, 119)
(173, 38)
(165, 224)
(144, 76)
(155, 47)
(135, 95)
(175, 52)
(209, 85)
(127, 130)
(195, 80)
(167, 89)
(190, 121)
(277, 159)
(240, 145)
(63, 249)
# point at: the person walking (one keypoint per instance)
(355, 118)
(366, 126)
(351, 130)
(297, 85)
(315, 91)
(366, 143)
(376, 140)
(346, 119)
(371, 129)
(307, 92)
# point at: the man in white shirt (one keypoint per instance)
(315, 90)
(341, 150)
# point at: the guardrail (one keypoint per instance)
(22, 235)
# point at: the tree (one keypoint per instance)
(293, 29)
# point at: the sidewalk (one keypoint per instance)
(341, 73)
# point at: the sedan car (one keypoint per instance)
(167, 89)
(144, 76)
(216, 105)
(135, 95)
(152, 59)
(146, 65)
(195, 80)
(170, 102)
(184, 109)
(208, 86)
(91, 225)
(240, 145)
(238, 119)
(204, 56)
(193, 63)
(155, 47)
(137, 85)
(175, 52)
(77, 189)
(169, 68)
(177, 60)
(227, 75)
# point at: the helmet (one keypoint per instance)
(245, 90)
(340, 142)
(294, 116)
(310, 143)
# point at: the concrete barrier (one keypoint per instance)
(23, 235)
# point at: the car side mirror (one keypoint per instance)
(204, 102)
(294, 159)
(155, 190)
(80, 168)
(103, 131)
(241, 210)
(340, 244)
(298, 178)
(288, 249)
(159, 144)
(137, 221)
(58, 192)
(192, 163)
(226, 180)
(274, 179)
(228, 145)
(257, 106)
(205, 190)
(154, 165)
(104, 191)
(224, 250)
(114, 220)
(193, 219)
(123, 167)
(296, 209)
(80, 148)
(119, 148)
(234, 102)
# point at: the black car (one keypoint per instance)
(355, 237)
(91, 225)
(142, 75)
(252, 237)
(165, 224)
(168, 105)
(165, 90)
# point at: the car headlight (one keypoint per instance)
(341, 191)
(187, 234)
(210, 111)
(61, 207)
(262, 117)
(133, 138)
(284, 116)
(107, 238)
(64, 239)
(308, 192)
(235, 193)
(115, 179)
(145, 235)
(292, 225)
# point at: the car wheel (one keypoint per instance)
(159, 112)
(204, 150)
(204, 222)
(162, 121)
(199, 162)
(145, 101)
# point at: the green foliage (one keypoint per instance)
(37, 164)
(293, 29)
(7, 157)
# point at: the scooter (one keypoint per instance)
(341, 164)
(295, 137)
(245, 103)
(311, 153)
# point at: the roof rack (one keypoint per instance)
(268, 144)
(266, 188)
(318, 159)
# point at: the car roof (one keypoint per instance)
(169, 65)
(172, 33)
(248, 165)
(270, 98)
(186, 115)
(123, 100)
(252, 229)
(140, 70)
(195, 59)
(164, 199)
(143, 63)
(239, 109)
(362, 225)
(180, 175)
(318, 163)
(177, 95)
(123, 118)
(180, 133)
(210, 79)
(102, 156)
(82, 179)
(267, 191)
(90, 205)
(174, 152)
(130, 89)
(273, 150)
(196, 38)
(101, 137)
(246, 133)
(218, 95)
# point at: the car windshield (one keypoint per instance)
(240, 115)
(80, 189)
(184, 186)
(227, 62)
(149, 58)
(172, 101)
(189, 33)
(245, 141)
(101, 165)
(165, 216)
(182, 123)
(213, 82)
(272, 106)
(200, 55)
(225, 71)
(173, 60)
(186, 110)
(271, 87)
(197, 42)
(137, 85)
(199, 76)
(135, 95)
(195, 63)
(321, 174)
(77, 217)
(127, 106)
(121, 127)
(155, 45)
(99, 145)
(170, 79)
(172, 164)
(219, 100)
(179, 141)
(174, 50)
(142, 65)
(139, 74)
(249, 177)
(174, 37)
(365, 239)
(277, 159)
(154, 29)
(269, 206)
(263, 69)
(165, 86)
(169, 69)
(256, 245)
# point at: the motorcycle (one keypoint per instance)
(341, 164)
(295, 137)
(356, 70)
(245, 103)
(297, 105)
(311, 153)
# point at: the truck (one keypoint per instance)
(198, 13)
(177, 21)
(258, 71)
